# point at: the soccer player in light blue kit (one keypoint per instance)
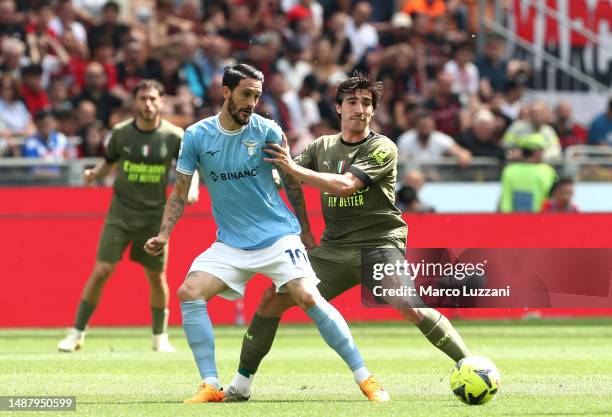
(256, 233)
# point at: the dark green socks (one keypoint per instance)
(83, 315)
(441, 333)
(160, 320)
(256, 343)
(85, 310)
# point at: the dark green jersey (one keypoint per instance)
(143, 163)
(368, 218)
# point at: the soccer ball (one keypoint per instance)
(475, 380)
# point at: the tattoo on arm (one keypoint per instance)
(176, 203)
(295, 195)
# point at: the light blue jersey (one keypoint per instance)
(248, 210)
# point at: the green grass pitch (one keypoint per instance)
(548, 368)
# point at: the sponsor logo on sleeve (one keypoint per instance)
(381, 154)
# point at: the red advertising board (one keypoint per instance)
(49, 238)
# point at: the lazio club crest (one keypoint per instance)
(251, 147)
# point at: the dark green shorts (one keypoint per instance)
(119, 233)
(339, 267)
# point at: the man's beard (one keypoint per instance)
(234, 113)
(143, 116)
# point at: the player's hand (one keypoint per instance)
(89, 177)
(280, 155)
(308, 239)
(155, 245)
(193, 197)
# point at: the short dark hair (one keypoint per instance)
(111, 5)
(234, 73)
(146, 84)
(359, 82)
(32, 69)
(559, 183)
(42, 114)
(406, 195)
(422, 113)
(38, 6)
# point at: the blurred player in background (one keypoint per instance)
(355, 171)
(525, 184)
(142, 149)
(257, 233)
(561, 195)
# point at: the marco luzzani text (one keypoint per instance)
(459, 272)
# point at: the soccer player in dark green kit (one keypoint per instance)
(142, 148)
(355, 171)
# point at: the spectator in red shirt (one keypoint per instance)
(560, 201)
(569, 132)
(93, 140)
(110, 27)
(39, 24)
(75, 70)
(33, 94)
(96, 91)
(445, 106)
(136, 66)
(104, 53)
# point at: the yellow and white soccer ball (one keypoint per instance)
(475, 380)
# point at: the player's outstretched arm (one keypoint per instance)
(342, 185)
(172, 214)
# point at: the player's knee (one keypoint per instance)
(187, 292)
(101, 273)
(157, 279)
(305, 299)
(272, 304)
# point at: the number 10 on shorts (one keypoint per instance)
(296, 256)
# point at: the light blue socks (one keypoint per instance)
(336, 333)
(201, 338)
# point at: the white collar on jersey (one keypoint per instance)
(225, 131)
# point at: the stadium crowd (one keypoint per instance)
(68, 66)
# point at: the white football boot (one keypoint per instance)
(162, 344)
(74, 340)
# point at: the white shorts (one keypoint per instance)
(284, 261)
